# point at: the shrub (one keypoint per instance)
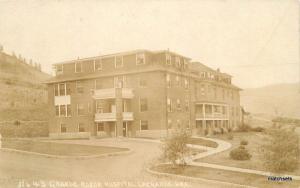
(281, 151)
(175, 148)
(257, 129)
(206, 132)
(229, 130)
(230, 137)
(240, 154)
(243, 128)
(242, 147)
(244, 142)
(222, 130)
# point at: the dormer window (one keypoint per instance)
(97, 65)
(78, 67)
(59, 69)
(140, 59)
(168, 59)
(118, 61)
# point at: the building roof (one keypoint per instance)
(119, 54)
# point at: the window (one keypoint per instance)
(224, 110)
(100, 127)
(99, 108)
(78, 67)
(79, 87)
(223, 94)
(178, 104)
(80, 109)
(231, 95)
(187, 105)
(168, 78)
(140, 59)
(178, 123)
(169, 105)
(186, 83)
(57, 110)
(97, 65)
(63, 110)
(69, 111)
(120, 81)
(177, 80)
(215, 92)
(59, 69)
(202, 90)
(63, 128)
(89, 108)
(143, 104)
(62, 89)
(177, 61)
(144, 125)
(185, 64)
(118, 61)
(142, 82)
(81, 127)
(169, 123)
(56, 89)
(168, 59)
(98, 84)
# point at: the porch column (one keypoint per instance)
(119, 112)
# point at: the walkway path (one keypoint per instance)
(222, 146)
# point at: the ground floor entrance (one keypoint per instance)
(110, 129)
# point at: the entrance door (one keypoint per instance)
(125, 129)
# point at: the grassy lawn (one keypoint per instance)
(226, 176)
(255, 139)
(59, 148)
(202, 142)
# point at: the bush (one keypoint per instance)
(242, 147)
(222, 130)
(229, 130)
(244, 142)
(175, 148)
(257, 129)
(281, 151)
(243, 128)
(240, 154)
(230, 137)
(206, 132)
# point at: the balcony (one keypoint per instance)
(211, 116)
(62, 100)
(112, 116)
(111, 93)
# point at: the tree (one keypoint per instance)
(175, 148)
(281, 151)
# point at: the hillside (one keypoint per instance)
(273, 100)
(22, 94)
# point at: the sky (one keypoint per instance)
(256, 41)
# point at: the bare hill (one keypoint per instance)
(23, 95)
(273, 100)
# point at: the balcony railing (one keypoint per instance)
(110, 93)
(200, 116)
(101, 117)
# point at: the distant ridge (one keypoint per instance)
(275, 100)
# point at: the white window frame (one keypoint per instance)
(80, 67)
(100, 63)
(137, 56)
(121, 61)
(168, 80)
